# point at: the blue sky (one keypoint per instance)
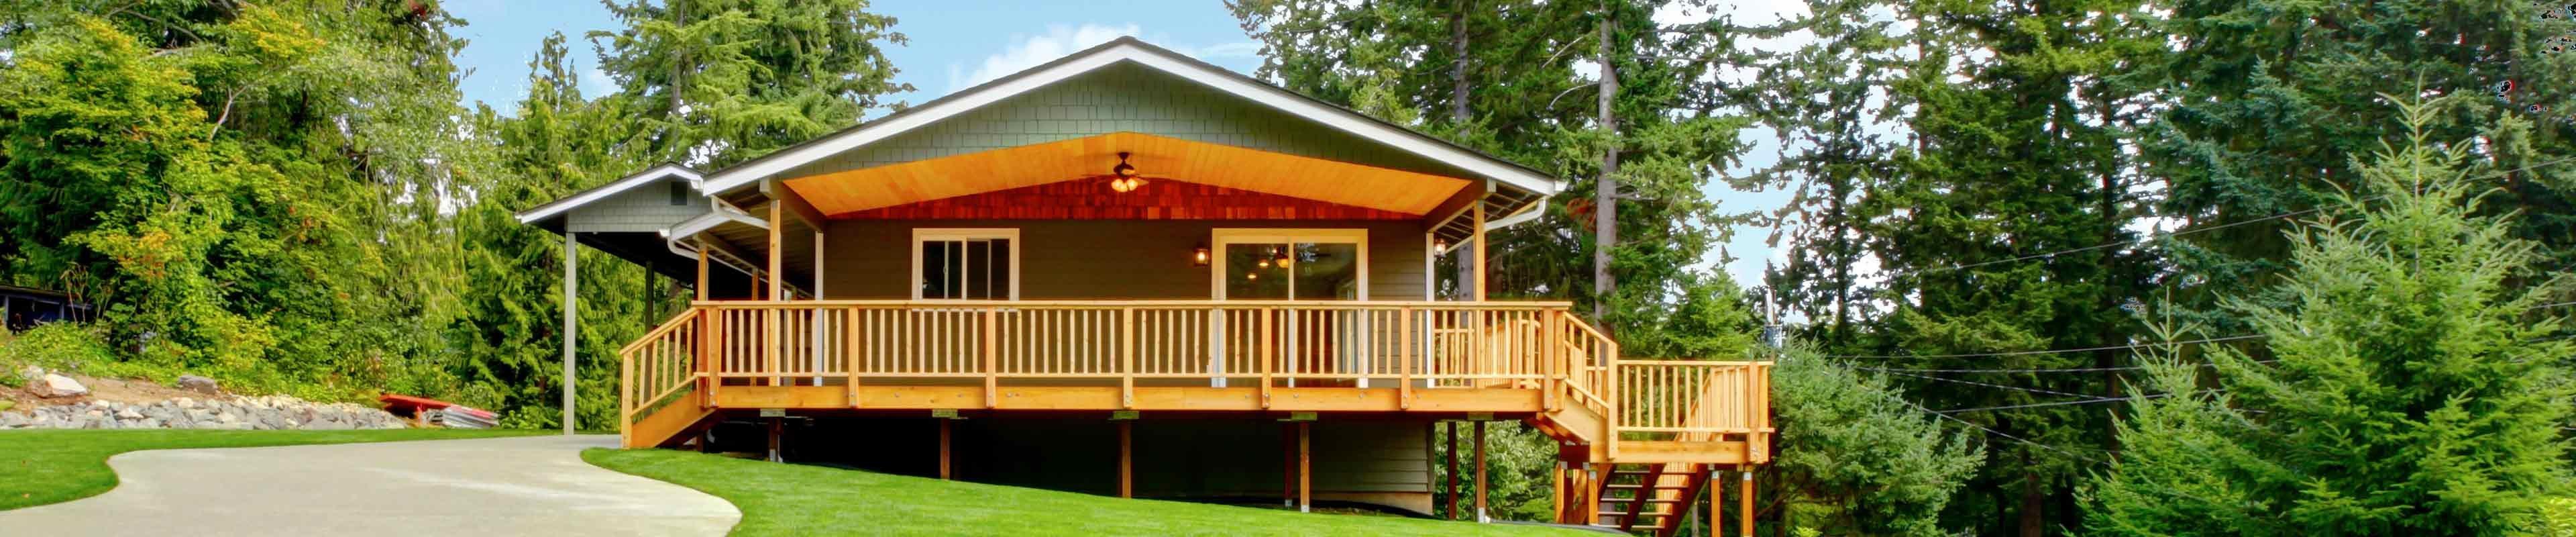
(958, 43)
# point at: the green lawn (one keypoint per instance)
(788, 499)
(45, 466)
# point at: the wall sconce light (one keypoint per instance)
(1440, 245)
(1199, 255)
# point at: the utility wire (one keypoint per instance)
(2187, 231)
(2037, 370)
(1975, 383)
(2052, 403)
(2052, 351)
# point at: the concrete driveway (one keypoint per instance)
(534, 485)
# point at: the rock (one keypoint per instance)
(227, 417)
(53, 385)
(183, 402)
(128, 414)
(199, 384)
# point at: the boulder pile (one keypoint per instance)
(246, 413)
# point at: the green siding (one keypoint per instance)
(646, 208)
(1125, 98)
(1098, 259)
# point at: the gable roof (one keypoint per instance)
(1131, 50)
(664, 170)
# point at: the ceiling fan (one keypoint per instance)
(1122, 178)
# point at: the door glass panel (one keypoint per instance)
(1326, 271)
(1253, 272)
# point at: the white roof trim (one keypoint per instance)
(585, 197)
(1130, 50)
(1527, 214)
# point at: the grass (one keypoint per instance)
(45, 466)
(787, 499)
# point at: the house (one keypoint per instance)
(1130, 272)
(22, 308)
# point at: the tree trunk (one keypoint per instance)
(1458, 68)
(2034, 523)
(1605, 195)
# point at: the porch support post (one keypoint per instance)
(702, 270)
(1480, 473)
(571, 323)
(777, 429)
(1449, 509)
(1744, 503)
(1716, 503)
(777, 261)
(1126, 458)
(944, 425)
(1287, 465)
(1305, 467)
(1479, 290)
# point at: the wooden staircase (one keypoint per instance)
(1652, 497)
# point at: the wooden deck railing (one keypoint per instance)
(1403, 345)
(1430, 344)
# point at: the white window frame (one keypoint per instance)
(922, 235)
(1220, 237)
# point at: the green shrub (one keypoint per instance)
(64, 346)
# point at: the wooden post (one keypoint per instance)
(992, 378)
(1127, 359)
(1287, 466)
(1449, 509)
(1744, 502)
(1480, 473)
(1404, 359)
(702, 270)
(1479, 208)
(571, 325)
(944, 424)
(777, 253)
(777, 428)
(1126, 458)
(1716, 504)
(850, 354)
(1305, 467)
(1556, 491)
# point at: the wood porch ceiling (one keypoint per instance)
(1158, 158)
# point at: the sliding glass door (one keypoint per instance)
(1292, 265)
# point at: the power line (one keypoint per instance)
(1975, 383)
(2052, 403)
(2054, 351)
(2033, 370)
(2187, 231)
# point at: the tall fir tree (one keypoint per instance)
(2413, 385)
(716, 82)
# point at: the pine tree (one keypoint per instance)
(716, 82)
(2412, 387)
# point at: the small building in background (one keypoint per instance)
(25, 307)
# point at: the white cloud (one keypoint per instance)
(1027, 51)
(595, 83)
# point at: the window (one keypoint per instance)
(679, 193)
(1291, 264)
(965, 264)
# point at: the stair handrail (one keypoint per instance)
(634, 371)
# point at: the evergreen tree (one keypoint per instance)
(1870, 463)
(2412, 387)
(716, 82)
(2268, 98)
(2018, 148)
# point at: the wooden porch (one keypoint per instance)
(1451, 360)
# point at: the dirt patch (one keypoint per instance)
(117, 390)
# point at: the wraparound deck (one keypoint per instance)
(1488, 360)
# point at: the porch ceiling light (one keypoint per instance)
(1199, 255)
